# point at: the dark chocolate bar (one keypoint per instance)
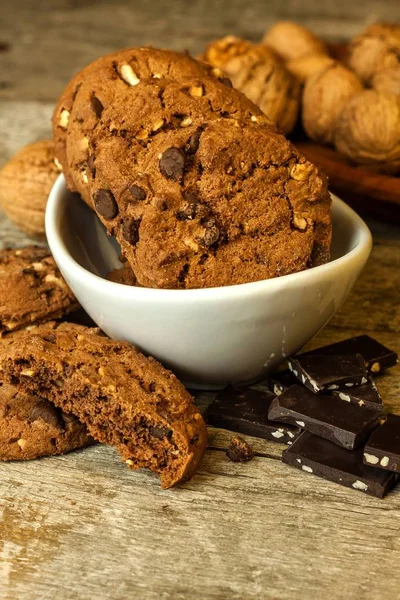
(246, 411)
(315, 455)
(366, 396)
(340, 422)
(376, 356)
(383, 447)
(319, 373)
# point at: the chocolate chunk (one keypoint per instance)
(193, 143)
(383, 447)
(138, 193)
(105, 205)
(160, 432)
(90, 165)
(211, 235)
(239, 450)
(315, 455)
(338, 372)
(279, 382)
(246, 411)
(366, 396)
(172, 164)
(226, 81)
(340, 422)
(51, 338)
(47, 412)
(189, 212)
(377, 357)
(130, 230)
(96, 106)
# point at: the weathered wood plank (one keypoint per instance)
(49, 44)
(247, 531)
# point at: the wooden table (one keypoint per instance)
(83, 526)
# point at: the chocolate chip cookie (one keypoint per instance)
(32, 288)
(201, 192)
(124, 398)
(81, 105)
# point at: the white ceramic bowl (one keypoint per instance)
(208, 337)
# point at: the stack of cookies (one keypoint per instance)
(195, 182)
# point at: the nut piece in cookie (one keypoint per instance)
(239, 450)
(25, 184)
(32, 289)
(125, 399)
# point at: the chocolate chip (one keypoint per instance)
(138, 193)
(105, 205)
(47, 412)
(4, 46)
(130, 230)
(50, 338)
(239, 450)
(90, 165)
(159, 432)
(190, 197)
(226, 81)
(193, 142)
(189, 212)
(212, 232)
(96, 106)
(172, 164)
(69, 419)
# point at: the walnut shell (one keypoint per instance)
(387, 80)
(25, 184)
(263, 78)
(221, 51)
(368, 130)
(375, 49)
(291, 40)
(307, 65)
(325, 93)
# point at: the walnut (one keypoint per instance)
(262, 77)
(25, 184)
(291, 40)
(368, 130)
(325, 93)
(221, 51)
(305, 66)
(387, 80)
(375, 49)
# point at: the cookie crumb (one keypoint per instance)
(239, 450)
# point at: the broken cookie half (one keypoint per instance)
(124, 398)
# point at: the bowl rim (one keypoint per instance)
(302, 278)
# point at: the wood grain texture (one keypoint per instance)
(52, 39)
(83, 525)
